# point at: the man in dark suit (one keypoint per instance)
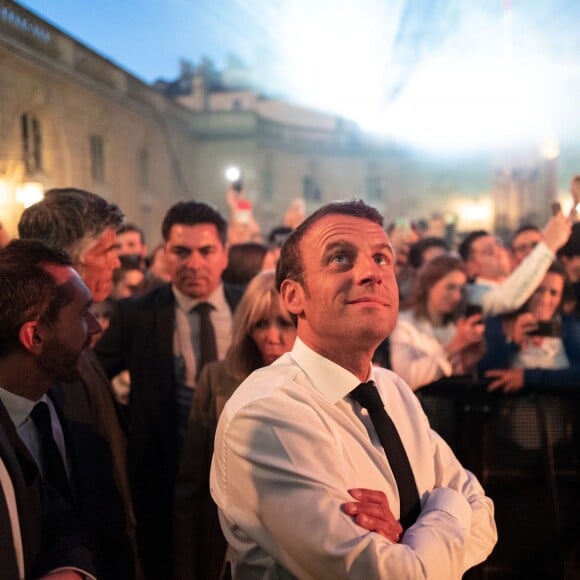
(163, 338)
(44, 326)
(85, 226)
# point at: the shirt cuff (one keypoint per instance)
(451, 502)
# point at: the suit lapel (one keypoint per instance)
(25, 479)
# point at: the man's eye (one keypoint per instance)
(180, 252)
(339, 258)
(381, 259)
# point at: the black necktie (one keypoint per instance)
(207, 343)
(367, 395)
(53, 464)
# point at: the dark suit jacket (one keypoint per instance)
(51, 534)
(96, 444)
(140, 339)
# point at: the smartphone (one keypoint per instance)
(472, 309)
(547, 328)
(238, 185)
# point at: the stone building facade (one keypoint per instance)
(69, 117)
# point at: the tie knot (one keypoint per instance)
(203, 308)
(40, 415)
(367, 396)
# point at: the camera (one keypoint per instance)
(547, 328)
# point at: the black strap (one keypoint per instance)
(207, 340)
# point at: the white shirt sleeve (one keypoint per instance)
(520, 284)
(279, 484)
(417, 358)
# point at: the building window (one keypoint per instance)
(31, 143)
(310, 189)
(143, 168)
(97, 159)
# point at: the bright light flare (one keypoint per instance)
(232, 173)
(29, 193)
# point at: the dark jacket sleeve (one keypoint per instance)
(498, 352)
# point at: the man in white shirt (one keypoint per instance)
(496, 286)
(304, 487)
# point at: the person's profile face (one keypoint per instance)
(98, 263)
(350, 294)
(71, 332)
(195, 259)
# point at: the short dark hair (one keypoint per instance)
(27, 290)
(191, 213)
(465, 246)
(68, 218)
(129, 227)
(290, 264)
(417, 249)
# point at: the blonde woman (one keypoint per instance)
(262, 331)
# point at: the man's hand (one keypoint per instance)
(509, 380)
(557, 231)
(371, 511)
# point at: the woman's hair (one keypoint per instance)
(428, 276)
(244, 356)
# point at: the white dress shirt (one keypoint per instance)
(418, 354)
(288, 447)
(186, 340)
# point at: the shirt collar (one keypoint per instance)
(19, 408)
(331, 380)
(217, 299)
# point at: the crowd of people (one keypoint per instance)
(210, 408)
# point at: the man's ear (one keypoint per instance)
(292, 294)
(31, 337)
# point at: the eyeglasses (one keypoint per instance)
(523, 248)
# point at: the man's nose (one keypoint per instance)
(194, 260)
(368, 271)
(94, 325)
(114, 262)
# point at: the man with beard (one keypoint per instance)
(85, 226)
(162, 338)
(45, 323)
